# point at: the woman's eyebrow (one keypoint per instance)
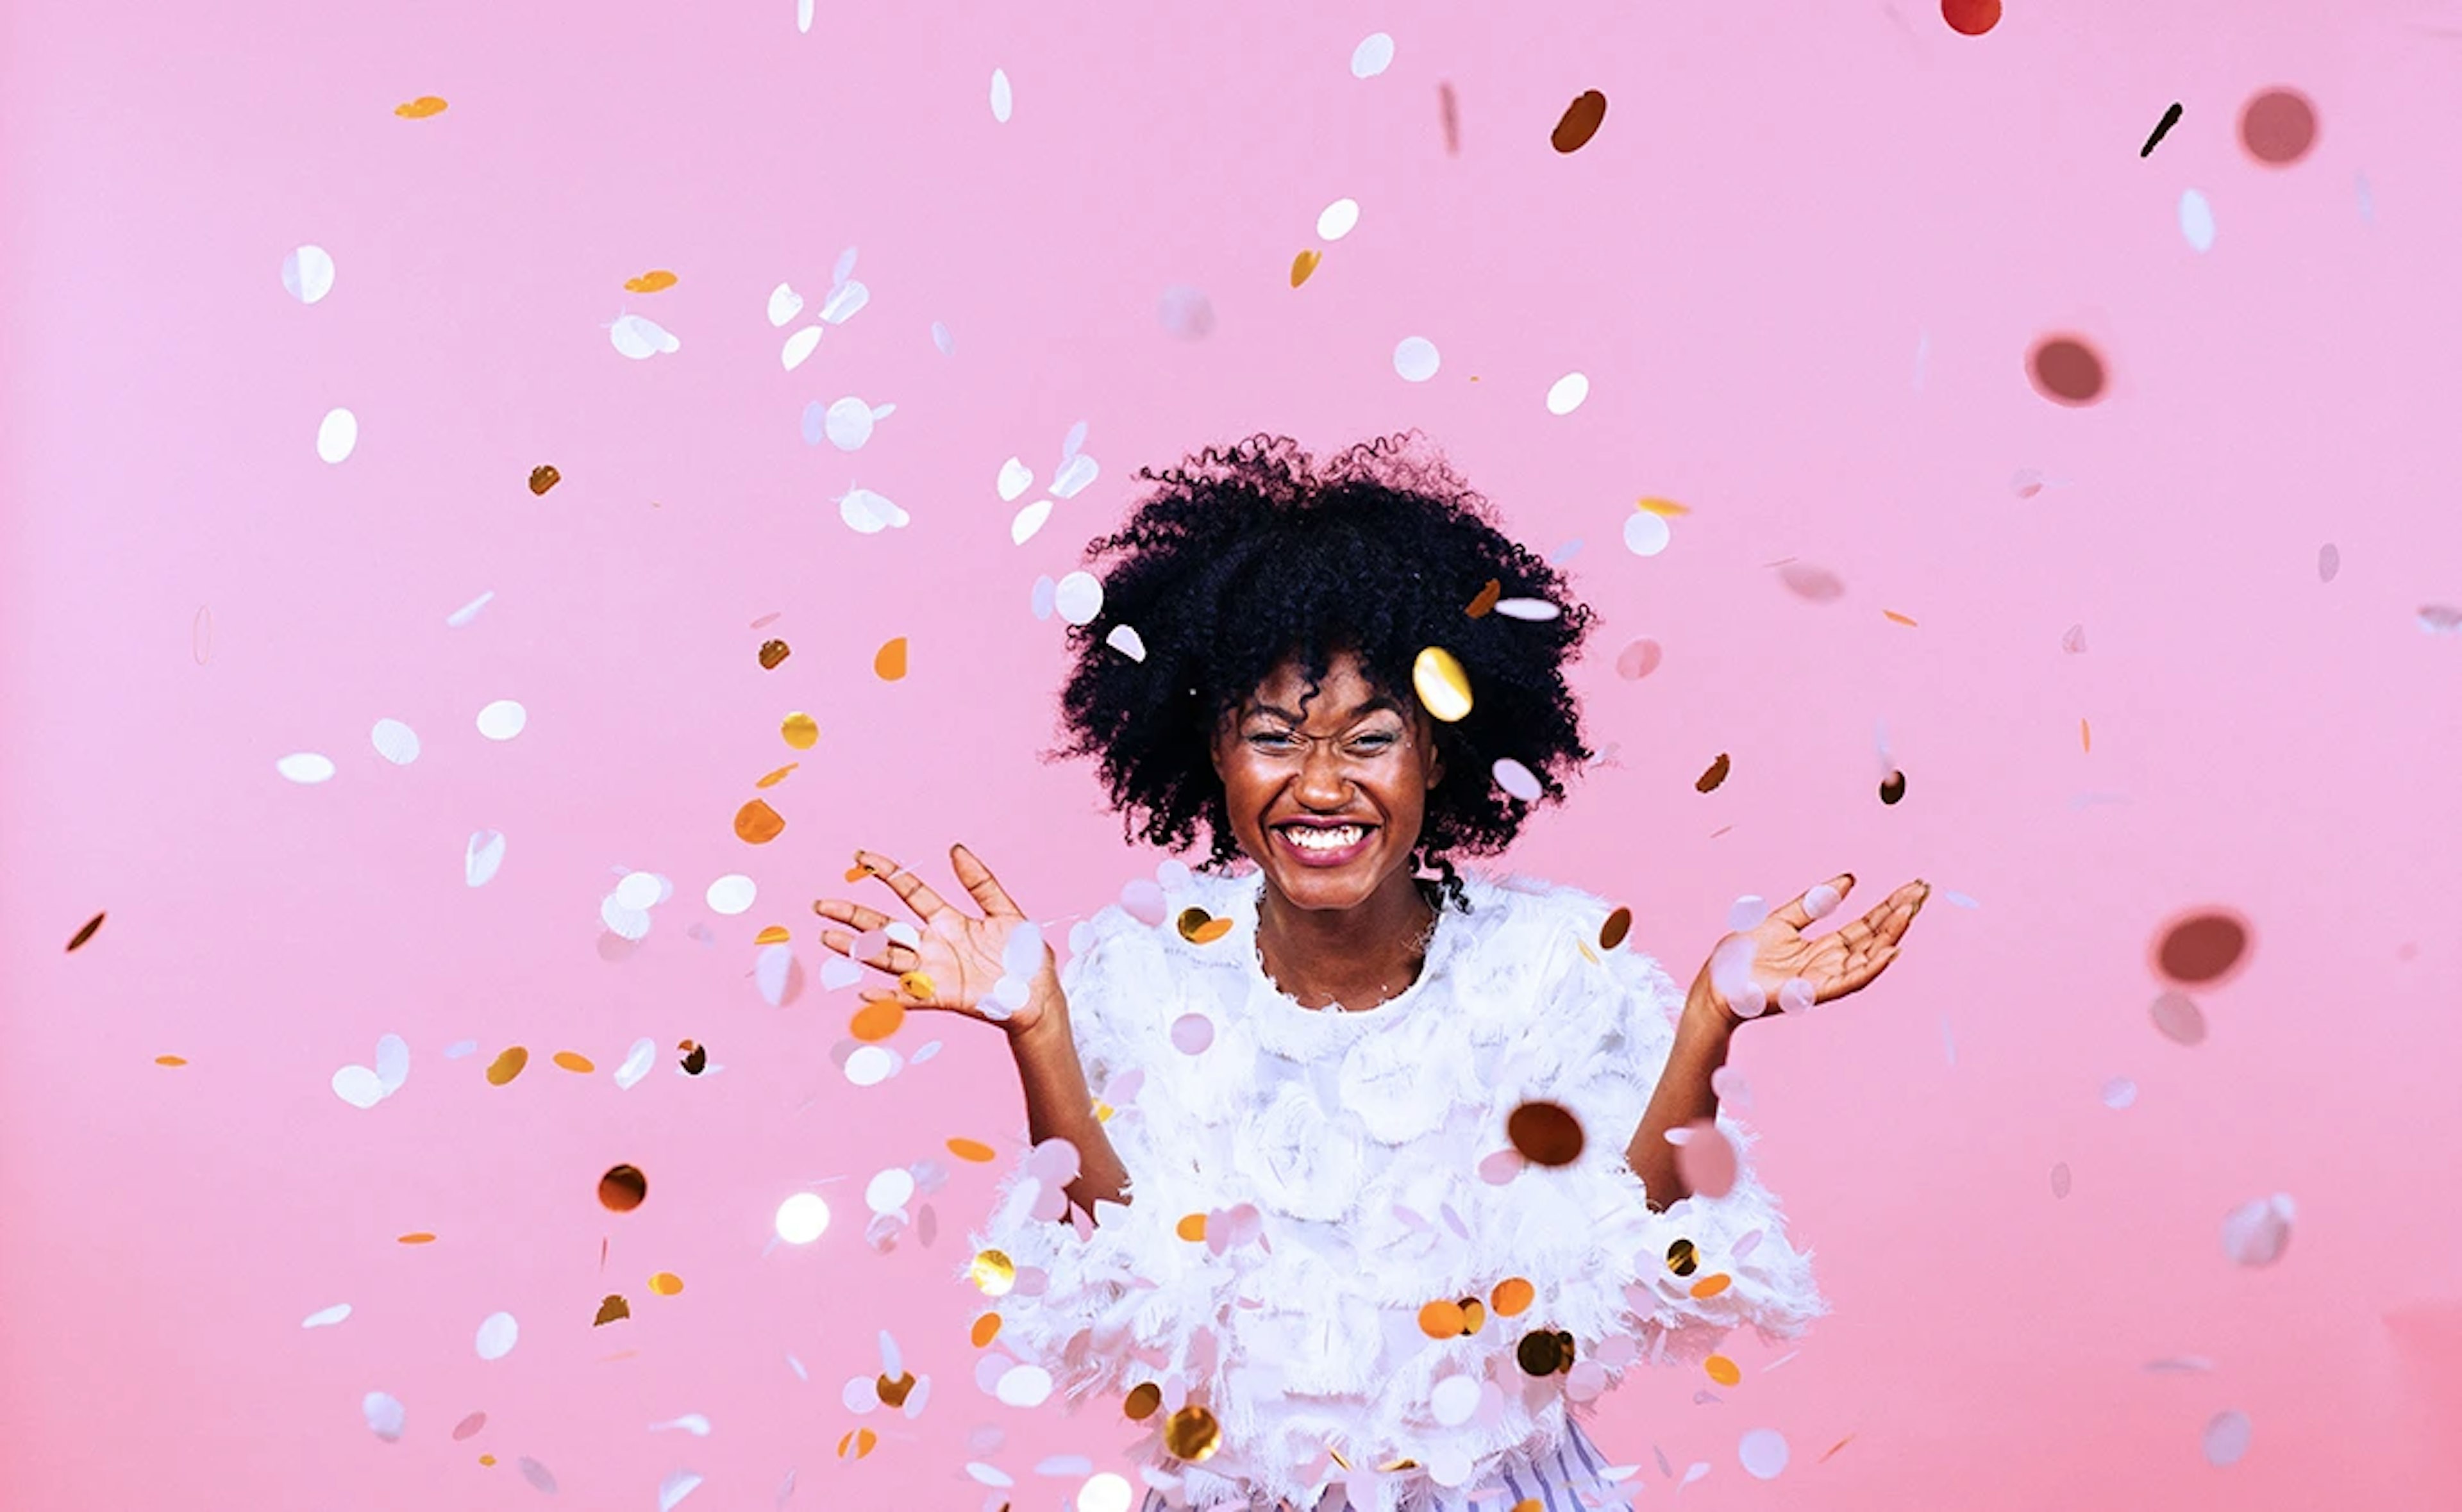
(1378, 704)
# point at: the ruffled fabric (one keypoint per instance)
(1336, 1159)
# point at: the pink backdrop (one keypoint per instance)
(1801, 265)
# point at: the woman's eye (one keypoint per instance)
(1269, 740)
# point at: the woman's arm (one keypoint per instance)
(1703, 1038)
(1058, 1103)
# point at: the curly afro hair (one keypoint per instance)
(1242, 558)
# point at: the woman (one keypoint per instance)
(1384, 1176)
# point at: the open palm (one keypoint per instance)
(1773, 964)
(958, 960)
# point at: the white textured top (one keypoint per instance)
(1339, 1158)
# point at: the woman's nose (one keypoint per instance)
(1323, 781)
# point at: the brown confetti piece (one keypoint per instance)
(572, 1061)
(1512, 1297)
(1191, 1435)
(420, 109)
(893, 1394)
(1580, 121)
(170, 1060)
(974, 1150)
(1891, 614)
(1303, 265)
(1709, 1287)
(1971, 17)
(420, 1236)
(800, 730)
(1143, 1398)
(543, 478)
(773, 935)
(2085, 735)
(622, 1188)
(889, 662)
(2201, 947)
(612, 1309)
(1834, 1448)
(993, 1273)
(773, 653)
(1539, 1354)
(756, 823)
(2065, 369)
(1441, 1320)
(651, 282)
(1191, 1228)
(1199, 927)
(875, 1022)
(986, 1329)
(87, 933)
(1612, 933)
(696, 1058)
(1893, 787)
(1546, 1134)
(1722, 1370)
(1682, 1257)
(1710, 780)
(774, 778)
(919, 986)
(505, 1066)
(1473, 1315)
(2277, 127)
(1484, 599)
(667, 1283)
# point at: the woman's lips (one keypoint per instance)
(1342, 856)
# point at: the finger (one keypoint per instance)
(886, 958)
(982, 886)
(1857, 976)
(1799, 915)
(1885, 922)
(907, 887)
(864, 920)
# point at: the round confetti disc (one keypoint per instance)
(1546, 1134)
(1512, 1297)
(2201, 948)
(2277, 127)
(1580, 121)
(1191, 1435)
(622, 1188)
(1971, 17)
(2065, 369)
(1539, 1354)
(2177, 1018)
(1683, 1258)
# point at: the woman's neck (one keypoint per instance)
(1347, 958)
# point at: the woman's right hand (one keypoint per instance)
(959, 960)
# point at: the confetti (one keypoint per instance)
(2257, 1233)
(420, 109)
(2201, 948)
(1447, 113)
(572, 1061)
(1512, 1297)
(538, 1475)
(86, 933)
(1546, 1134)
(1337, 220)
(1971, 17)
(543, 478)
(651, 282)
(337, 434)
(773, 653)
(1709, 1287)
(1722, 1370)
(803, 1217)
(623, 1188)
(612, 1309)
(307, 273)
(640, 337)
(497, 1336)
(2329, 561)
(1415, 358)
(2278, 126)
(201, 634)
(1373, 55)
(1762, 1453)
(2061, 1179)
(1645, 533)
(2065, 369)
(756, 823)
(1893, 787)
(421, 1237)
(1002, 98)
(503, 719)
(889, 662)
(1191, 1435)
(677, 1486)
(2170, 118)
(2178, 1019)
(696, 1058)
(469, 611)
(973, 1150)
(1200, 928)
(170, 1060)
(2225, 1439)
(1717, 773)
(1515, 778)
(1580, 121)
(481, 857)
(1442, 685)
(508, 1066)
(468, 1427)
(326, 1317)
(1567, 394)
(384, 1415)
(1638, 660)
(1078, 598)
(1304, 264)
(1186, 313)
(667, 1283)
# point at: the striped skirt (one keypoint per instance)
(1565, 1478)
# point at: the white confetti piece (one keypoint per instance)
(732, 894)
(1337, 220)
(637, 890)
(1015, 478)
(803, 16)
(1566, 395)
(385, 1416)
(869, 513)
(693, 1423)
(640, 337)
(306, 767)
(481, 857)
(396, 742)
(307, 273)
(358, 1085)
(888, 1192)
(1024, 1386)
(1373, 55)
(337, 434)
(1125, 639)
(1001, 99)
(1762, 1452)
(785, 305)
(2257, 1233)
(503, 719)
(803, 1217)
(2226, 1438)
(393, 1062)
(989, 1475)
(848, 423)
(2197, 220)
(1028, 521)
(940, 337)
(1516, 779)
(871, 1065)
(1532, 610)
(1415, 358)
(799, 347)
(326, 1317)
(1646, 534)
(461, 1050)
(1186, 313)
(1078, 598)
(1453, 1400)
(538, 1475)
(638, 1063)
(469, 611)
(675, 1488)
(1073, 476)
(844, 300)
(773, 971)
(2440, 619)
(497, 1335)
(2119, 1093)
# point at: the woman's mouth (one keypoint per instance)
(1324, 845)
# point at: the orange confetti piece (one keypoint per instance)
(1711, 1286)
(1485, 599)
(573, 1062)
(1834, 1448)
(420, 109)
(1192, 1228)
(1441, 1320)
(423, 1236)
(774, 935)
(486, 1460)
(87, 933)
(875, 1022)
(889, 662)
(756, 823)
(170, 1060)
(800, 730)
(773, 779)
(508, 1066)
(1665, 508)
(651, 282)
(1527, 1504)
(986, 1329)
(2085, 735)
(1303, 265)
(1512, 1297)
(667, 1283)
(1891, 614)
(1722, 1370)
(1709, 781)
(974, 1150)
(863, 1439)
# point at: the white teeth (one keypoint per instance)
(1308, 839)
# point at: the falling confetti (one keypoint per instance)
(2196, 221)
(1304, 264)
(86, 933)
(1546, 1134)
(1709, 781)
(2257, 1233)
(1580, 121)
(503, 719)
(572, 1061)
(420, 109)
(651, 282)
(773, 653)
(1373, 55)
(889, 662)
(1415, 358)
(307, 273)
(2226, 1437)
(201, 634)
(508, 1066)
(1337, 220)
(612, 1309)
(543, 478)
(623, 1188)
(2278, 126)
(385, 1415)
(170, 1060)
(640, 337)
(337, 434)
(1971, 17)
(2177, 1018)
(1002, 100)
(2066, 371)
(2201, 948)
(1186, 313)
(1442, 685)
(1567, 394)
(1451, 117)
(1762, 1452)
(803, 1217)
(667, 1283)
(756, 823)
(2170, 118)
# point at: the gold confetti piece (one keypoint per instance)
(1664, 509)
(1722, 1370)
(1442, 685)
(1103, 1111)
(1546, 1134)
(1143, 1398)
(1891, 614)
(572, 1061)
(1709, 1287)
(1485, 599)
(773, 779)
(1193, 1435)
(87, 933)
(1580, 121)
(756, 823)
(1335, 1454)
(1441, 1320)
(893, 1394)
(889, 662)
(667, 1283)
(423, 1236)
(1303, 265)
(773, 653)
(1397, 1465)
(1512, 1297)
(774, 935)
(543, 478)
(1526, 1505)
(170, 1060)
(974, 1150)
(486, 1460)
(801, 730)
(1192, 1228)
(1682, 1257)
(1717, 774)
(651, 282)
(1588, 954)
(875, 1022)
(612, 1309)
(864, 1441)
(1473, 1315)
(1893, 787)
(508, 1066)
(987, 1328)
(2085, 735)
(994, 1273)
(1199, 927)
(919, 986)
(1834, 1448)
(696, 1058)
(1618, 925)
(622, 1188)
(420, 109)
(1539, 1354)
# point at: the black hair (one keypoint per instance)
(1244, 557)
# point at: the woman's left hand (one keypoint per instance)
(1771, 967)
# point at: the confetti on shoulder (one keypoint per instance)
(420, 109)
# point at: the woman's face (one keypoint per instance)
(1328, 799)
